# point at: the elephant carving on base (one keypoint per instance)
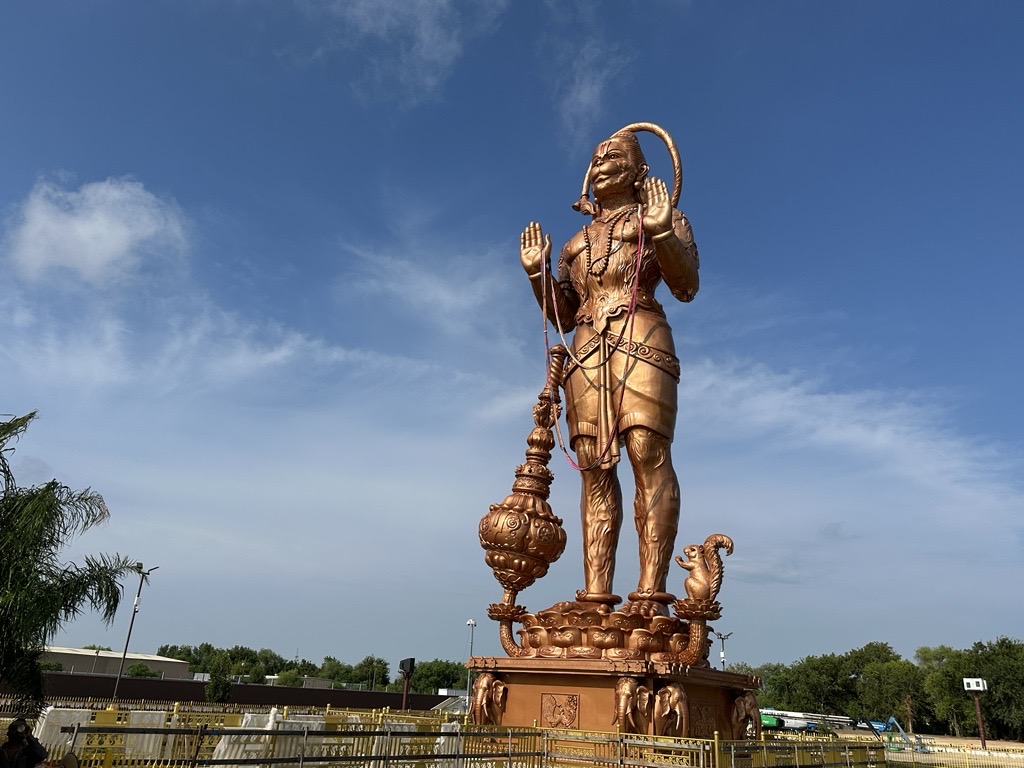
(489, 695)
(633, 704)
(671, 711)
(744, 710)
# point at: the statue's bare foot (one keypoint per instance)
(604, 601)
(646, 608)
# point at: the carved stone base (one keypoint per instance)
(607, 695)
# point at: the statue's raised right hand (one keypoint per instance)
(534, 249)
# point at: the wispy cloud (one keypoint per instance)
(99, 232)
(193, 406)
(401, 50)
(444, 295)
(900, 433)
(582, 92)
(165, 334)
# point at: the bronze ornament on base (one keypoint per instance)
(590, 662)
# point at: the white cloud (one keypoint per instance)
(198, 422)
(588, 70)
(899, 432)
(447, 295)
(406, 49)
(99, 232)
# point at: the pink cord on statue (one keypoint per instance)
(631, 314)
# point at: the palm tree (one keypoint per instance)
(39, 593)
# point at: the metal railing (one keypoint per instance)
(357, 745)
(807, 754)
(188, 737)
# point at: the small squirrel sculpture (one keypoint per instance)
(705, 566)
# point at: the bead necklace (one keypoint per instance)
(598, 267)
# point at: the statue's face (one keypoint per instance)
(611, 169)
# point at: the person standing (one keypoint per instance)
(22, 749)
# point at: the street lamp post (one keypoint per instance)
(471, 623)
(135, 609)
(723, 638)
(975, 685)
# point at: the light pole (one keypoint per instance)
(975, 685)
(723, 638)
(135, 609)
(471, 623)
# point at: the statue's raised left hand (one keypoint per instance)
(658, 211)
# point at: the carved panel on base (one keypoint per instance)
(702, 720)
(559, 710)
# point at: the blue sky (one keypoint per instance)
(259, 274)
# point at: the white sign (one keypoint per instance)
(975, 684)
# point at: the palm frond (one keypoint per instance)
(38, 592)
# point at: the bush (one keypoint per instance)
(141, 669)
(289, 677)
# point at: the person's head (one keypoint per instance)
(618, 166)
(18, 729)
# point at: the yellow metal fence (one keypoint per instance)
(943, 757)
(192, 736)
(807, 754)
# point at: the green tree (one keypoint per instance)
(373, 672)
(181, 653)
(257, 674)
(336, 671)
(819, 684)
(872, 653)
(892, 688)
(944, 668)
(218, 687)
(141, 669)
(775, 684)
(208, 657)
(428, 676)
(240, 654)
(289, 677)
(272, 662)
(94, 647)
(39, 593)
(1001, 663)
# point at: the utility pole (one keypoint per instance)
(143, 575)
(723, 638)
(975, 685)
(471, 623)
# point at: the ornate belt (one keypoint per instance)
(665, 361)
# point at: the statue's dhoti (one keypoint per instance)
(624, 379)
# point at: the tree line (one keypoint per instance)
(927, 694)
(249, 665)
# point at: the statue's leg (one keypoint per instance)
(656, 506)
(601, 512)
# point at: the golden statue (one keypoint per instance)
(587, 663)
(622, 373)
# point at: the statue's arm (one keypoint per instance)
(560, 293)
(673, 241)
(561, 298)
(678, 258)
